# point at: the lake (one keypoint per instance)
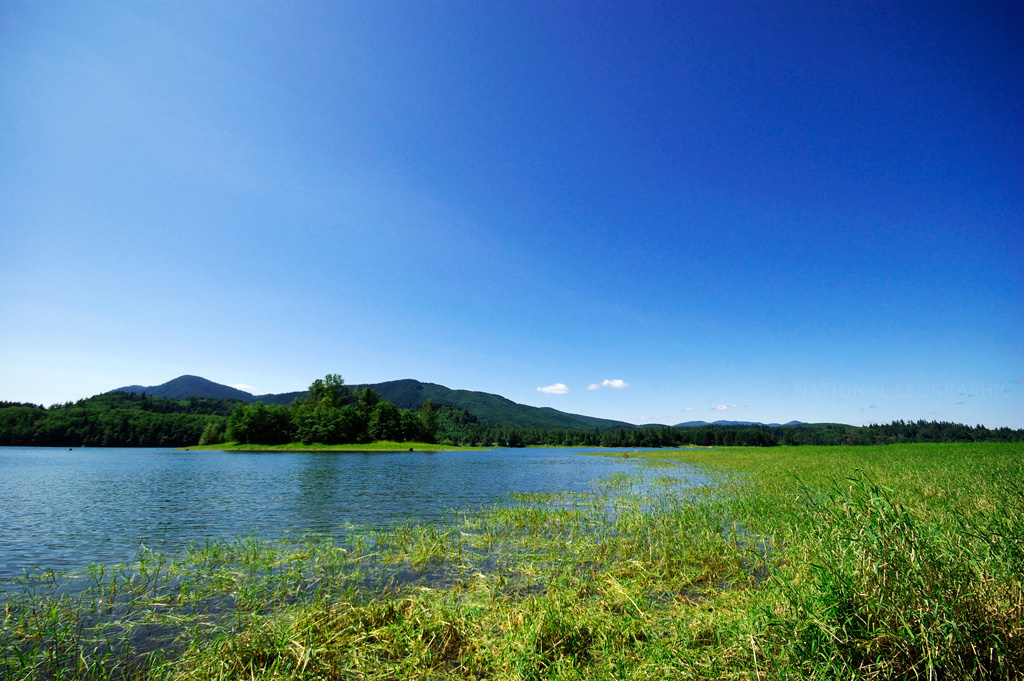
(62, 510)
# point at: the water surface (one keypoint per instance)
(62, 510)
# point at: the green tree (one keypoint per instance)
(316, 422)
(213, 433)
(260, 424)
(385, 422)
(428, 418)
(366, 400)
(330, 390)
(412, 426)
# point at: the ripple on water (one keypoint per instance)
(63, 510)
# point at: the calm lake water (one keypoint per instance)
(62, 510)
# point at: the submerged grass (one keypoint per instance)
(876, 563)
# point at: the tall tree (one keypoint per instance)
(385, 422)
(428, 416)
(330, 390)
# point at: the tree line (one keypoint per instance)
(333, 413)
(465, 430)
(330, 413)
(112, 420)
(458, 427)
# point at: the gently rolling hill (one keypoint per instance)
(490, 409)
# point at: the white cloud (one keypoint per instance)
(244, 386)
(556, 389)
(721, 407)
(727, 407)
(616, 383)
(688, 409)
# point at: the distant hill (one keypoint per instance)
(279, 398)
(184, 387)
(698, 424)
(489, 408)
(407, 393)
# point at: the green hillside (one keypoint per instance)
(183, 387)
(407, 393)
(278, 398)
(490, 409)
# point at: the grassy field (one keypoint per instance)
(809, 562)
(380, 446)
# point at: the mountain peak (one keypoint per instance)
(187, 386)
(406, 393)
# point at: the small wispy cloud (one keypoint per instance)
(1019, 381)
(554, 389)
(687, 408)
(244, 386)
(616, 383)
(727, 407)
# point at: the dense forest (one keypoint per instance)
(112, 420)
(331, 412)
(458, 427)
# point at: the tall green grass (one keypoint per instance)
(876, 563)
(902, 595)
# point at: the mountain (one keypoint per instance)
(489, 408)
(279, 398)
(407, 393)
(184, 387)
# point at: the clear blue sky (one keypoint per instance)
(699, 210)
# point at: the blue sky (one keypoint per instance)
(752, 211)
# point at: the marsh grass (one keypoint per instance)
(875, 563)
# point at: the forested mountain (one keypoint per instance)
(488, 408)
(186, 386)
(332, 412)
(328, 415)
